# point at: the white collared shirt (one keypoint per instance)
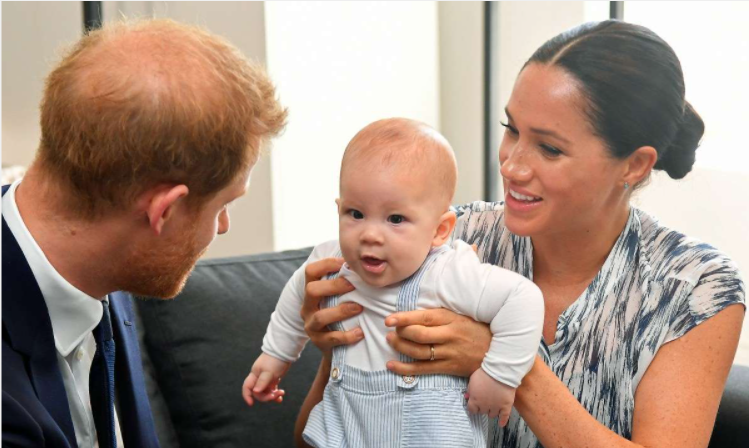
(74, 314)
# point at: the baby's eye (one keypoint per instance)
(396, 219)
(356, 214)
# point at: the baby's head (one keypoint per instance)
(398, 178)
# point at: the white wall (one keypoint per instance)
(461, 75)
(340, 66)
(32, 34)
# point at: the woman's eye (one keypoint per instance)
(356, 214)
(510, 128)
(550, 150)
(396, 219)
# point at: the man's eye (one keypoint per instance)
(396, 219)
(356, 214)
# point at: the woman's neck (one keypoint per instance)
(573, 257)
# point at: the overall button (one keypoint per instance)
(408, 379)
(335, 372)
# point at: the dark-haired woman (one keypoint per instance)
(642, 322)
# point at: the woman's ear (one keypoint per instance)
(444, 229)
(639, 165)
(159, 204)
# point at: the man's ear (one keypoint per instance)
(444, 229)
(159, 204)
(639, 165)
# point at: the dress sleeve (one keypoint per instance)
(285, 337)
(719, 286)
(510, 303)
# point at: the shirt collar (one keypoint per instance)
(73, 313)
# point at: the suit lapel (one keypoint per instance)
(136, 420)
(26, 321)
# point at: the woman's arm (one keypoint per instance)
(675, 403)
(314, 396)
(316, 323)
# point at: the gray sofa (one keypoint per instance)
(198, 348)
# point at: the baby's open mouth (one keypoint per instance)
(373, 264)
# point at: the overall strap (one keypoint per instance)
(338, 364)
(408, 297)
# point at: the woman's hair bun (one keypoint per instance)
(678, 158)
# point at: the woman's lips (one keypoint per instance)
(521, 206)
(373, 265)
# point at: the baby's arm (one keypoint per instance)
(262, 382)
(285, 337)
(489, 396)
(512, 305)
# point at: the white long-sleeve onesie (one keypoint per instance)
(456, 280)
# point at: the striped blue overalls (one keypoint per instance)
(382, 409)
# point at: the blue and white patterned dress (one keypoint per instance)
(655, 286)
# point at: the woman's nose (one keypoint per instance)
(513, 164)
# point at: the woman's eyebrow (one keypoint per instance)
(541, 131)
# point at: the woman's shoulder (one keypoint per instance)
(672, 254)
(479, 222)
(691, 277)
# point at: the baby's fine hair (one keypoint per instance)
(405, 144)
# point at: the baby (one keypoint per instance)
(397, 181)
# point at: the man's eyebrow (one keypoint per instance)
(541, 131)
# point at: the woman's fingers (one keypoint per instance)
(330, 339)
(427, 318)
(320, 268)
(316, 290)
(317, 320)
(320, 319)
(412, 349)
(425, 335)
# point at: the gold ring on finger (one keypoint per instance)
(431, 347)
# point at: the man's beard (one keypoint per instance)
(162, 272)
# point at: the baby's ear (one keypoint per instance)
(444, 229)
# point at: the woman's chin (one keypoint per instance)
(519, 227)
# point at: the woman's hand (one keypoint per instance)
(460, 343)
(316, 320)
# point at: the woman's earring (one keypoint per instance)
(626, 186)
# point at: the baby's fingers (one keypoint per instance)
(269, 395)
(249, 383)
(504, 416)
(263, 382)
(473, 406)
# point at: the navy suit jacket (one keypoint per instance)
(35, 406)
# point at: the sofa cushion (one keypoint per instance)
(733, 415)
(203, 343)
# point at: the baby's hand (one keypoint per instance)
(488, 396)
(262, 382)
